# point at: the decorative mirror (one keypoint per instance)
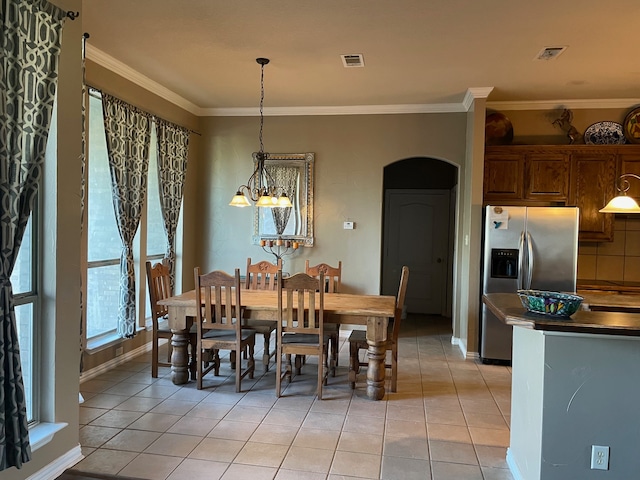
(292, 172)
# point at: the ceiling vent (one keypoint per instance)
(352, 60)
(549, 53)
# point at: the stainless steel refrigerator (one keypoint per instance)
(524, 248)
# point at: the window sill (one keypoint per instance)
(105, 341)
(42, 433)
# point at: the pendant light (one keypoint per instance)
(261, 186)
(622, 203)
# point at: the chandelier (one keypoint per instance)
(261, 186)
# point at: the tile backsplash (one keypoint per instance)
(616, 261)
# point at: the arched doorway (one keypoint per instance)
(418, 231)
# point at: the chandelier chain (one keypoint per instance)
(261, 104)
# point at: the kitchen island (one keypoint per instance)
(575, 383)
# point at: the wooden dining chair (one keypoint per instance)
(219, 324)
(333, 282)
(159, 283)
(300, 325)
(358, 339)
(262, 276)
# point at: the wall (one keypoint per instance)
(553, 424)
(534, 127)
(614, 261)
(350, 155)
(469, 235)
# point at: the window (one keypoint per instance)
(23, 279)
(103, 240)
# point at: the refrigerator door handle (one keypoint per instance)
(530, 260)
(520, 261)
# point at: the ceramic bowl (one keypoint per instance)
(555, 304)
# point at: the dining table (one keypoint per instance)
(373, 311)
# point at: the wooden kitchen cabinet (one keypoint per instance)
(525, 175)
(547, 176)
(593, 176)
(503, 177)
(572, 175)
(630, 163)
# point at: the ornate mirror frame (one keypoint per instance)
(294, 172)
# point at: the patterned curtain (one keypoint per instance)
(128, 132)
(30, 46)
(287, 178)
(173, 149)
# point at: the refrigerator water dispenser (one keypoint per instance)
(504, 263)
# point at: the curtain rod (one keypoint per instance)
(94, 90)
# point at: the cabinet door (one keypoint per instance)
(630, 163)
(503, 177)
(592, 186)
(547, 177)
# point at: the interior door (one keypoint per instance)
(416, 234)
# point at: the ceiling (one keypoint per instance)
(418, 54)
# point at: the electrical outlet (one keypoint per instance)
(599, 457)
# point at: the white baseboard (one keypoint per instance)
(59, 465)
(513, 468)
(462, 346)
(114, 362)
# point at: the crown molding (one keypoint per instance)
(473, 93)
(575, 104)
(116, 66)
(336, 110)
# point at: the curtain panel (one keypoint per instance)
(128, 133)
(30, 47)
(173, 150)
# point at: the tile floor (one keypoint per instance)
(449, 420)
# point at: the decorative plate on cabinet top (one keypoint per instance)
(497, 129)
(604, 133)
(632, 126)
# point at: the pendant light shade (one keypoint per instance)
(284, 202)
(622, 203)
(239, 200)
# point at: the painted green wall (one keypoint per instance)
(350, 155)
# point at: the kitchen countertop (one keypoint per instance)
(609, 285)
(508, 308)
(610, 302)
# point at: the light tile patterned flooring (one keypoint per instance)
(448, 420)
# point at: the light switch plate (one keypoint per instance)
(348, 226)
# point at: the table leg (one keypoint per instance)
(376, 338)
(180, 357)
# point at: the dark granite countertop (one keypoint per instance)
(609, 285)
(508, 308)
